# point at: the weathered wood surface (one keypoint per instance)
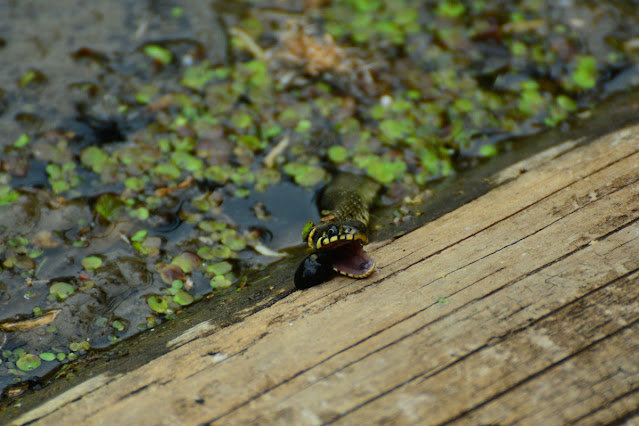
(521, 306)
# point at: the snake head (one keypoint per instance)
(330, 235)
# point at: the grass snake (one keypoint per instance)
(336, 241)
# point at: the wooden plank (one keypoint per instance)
(520, 306)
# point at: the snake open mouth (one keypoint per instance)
(351, 260)
(336, 241)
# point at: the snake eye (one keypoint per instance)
(332, 231)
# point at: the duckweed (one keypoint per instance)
(585, 74)
(221, 282)
(219, 268)
(159, 54)
(91, 262)
(157, 304)
(118, 325)
(61, 290)
(7, 195)
(22, 141)
(304, 174)
(47, 356)
(183, 298)
(187, 262)
(109, 206)
(28, 362)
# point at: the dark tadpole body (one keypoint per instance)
(315, 269)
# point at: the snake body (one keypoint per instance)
(337, 240)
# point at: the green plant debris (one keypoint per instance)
(187, 262)
(7, 195)
(47, 356)
(167, 170)
(585, 73)
(109, 206)
(307, 229)
(219, 268)
(232, 240)
(28, 362)
(22, 141)
(186, 161)
(183, 298)
(450, 8)
(158, 304)
(220, 282)
(148, 247)
(197, 76)
(136, 183)
(81, 346)
(91, 262)
(140, 235)
(158, 53)
(304, 174)
(170, 272)
(61, 290)
(177, 11)
(62, 178)
(488, 151)
(118, 325)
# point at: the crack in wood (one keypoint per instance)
(540, 372)
(632, 392)
(427, 374)
(528, 207)
(421, 328)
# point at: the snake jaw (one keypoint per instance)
(340, 243)
(329, 235)
(336, 241)
(327, 243)
(351, 260)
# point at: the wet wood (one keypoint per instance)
(521, 306)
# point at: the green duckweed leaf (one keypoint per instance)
(585, 74)
(118, 325)
(22, 141)
(305, 175)
(61, 290)
(197, 76)
(140, 235)
(7, 195)
(94, 158)
(158, 304)
(91, 262)
(183, 298)
(219, 268)
(158, 53)
(187, 262)
(337, 154)
(220, 282)
(28, 362)
(109, 206)
(47, 356)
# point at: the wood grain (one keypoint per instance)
(519, 307)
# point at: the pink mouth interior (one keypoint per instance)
(351, 259)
